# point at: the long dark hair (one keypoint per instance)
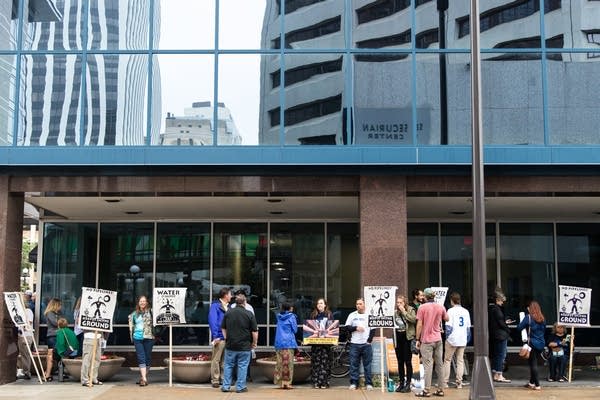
(315, 310)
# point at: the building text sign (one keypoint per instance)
(389, 126)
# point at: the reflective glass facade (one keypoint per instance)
(333, 72)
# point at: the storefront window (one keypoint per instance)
(343, 268)
(297, 269)
(68, 263)
(423, 263)
(457, 260)
(527, 267)
(122, 246)
(183, 260)
(240, 260)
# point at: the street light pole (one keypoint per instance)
(134, 270)
(482, 386)
(442, 7)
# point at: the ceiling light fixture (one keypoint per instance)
(274, 200)
(133, 212)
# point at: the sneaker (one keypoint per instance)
(223, 389)
(459, 385)
(550, 380)
(98, 383)
(369, 387)
(352, 387)
(244, 390)
(216, 385)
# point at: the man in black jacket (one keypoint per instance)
(499, 334)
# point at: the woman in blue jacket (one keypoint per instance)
(535, 324)
(285, 346)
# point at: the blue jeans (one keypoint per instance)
(557, 366)
(143, 351)
(358, 351)
(233, 358)
(499, 355)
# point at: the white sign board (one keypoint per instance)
(380, 302)
(440, 294)
(16, 309)
(168, 306)
(574, 305)
(97, 309)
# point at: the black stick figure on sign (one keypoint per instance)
(379, 303)
(17, 318)
(574, 300)
(168, 307)
(98, 304)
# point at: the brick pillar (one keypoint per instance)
(383, 241)
(11, 232)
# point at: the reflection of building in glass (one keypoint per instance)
(194, 128)
(315, 93)
(115, 89)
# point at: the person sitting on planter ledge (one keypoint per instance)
(67, 345)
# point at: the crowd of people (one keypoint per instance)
(422, 328)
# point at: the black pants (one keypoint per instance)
(534, 376)
(404, 357)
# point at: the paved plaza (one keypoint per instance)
(585, 385)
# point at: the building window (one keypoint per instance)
(305, 72)
(556, 42)
(423, 40)
(307, 111)
(320, 29)
(380, 9)
(510, 12)
(293, 5)
(593, 36)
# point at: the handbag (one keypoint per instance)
(70, 352)
(525, 351)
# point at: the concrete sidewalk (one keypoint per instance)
(586, 385)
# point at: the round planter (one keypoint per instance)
(190, 371)
(108, 368)
(266, 368)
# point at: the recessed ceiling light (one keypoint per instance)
(457, 212)
(112, 200)
(133, 212)
(274, 200)
(276, 212)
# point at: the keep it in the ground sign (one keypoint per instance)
(380, 302)
(574, 305)
(97, 309)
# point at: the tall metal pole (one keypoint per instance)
(442, 6)
(482, 386)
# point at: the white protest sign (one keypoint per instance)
(574, 305)
(168, 306)
(97, 309)
(379, 305)
(440, 294)
(16, 309)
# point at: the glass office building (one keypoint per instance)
(337, 155)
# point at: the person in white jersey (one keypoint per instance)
(458, 334)
(360, 344)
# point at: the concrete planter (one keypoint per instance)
(190, 371)
(108, 368)
(266, 367)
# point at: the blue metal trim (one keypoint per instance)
(18, 54)
(82, 99)
(413, 66)
(282, 74)
(544, 65)
(295, 155)
(150, 74)
(216, 78)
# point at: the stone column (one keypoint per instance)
(11, 232)
(383, 241)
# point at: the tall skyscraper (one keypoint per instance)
(113, 96)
